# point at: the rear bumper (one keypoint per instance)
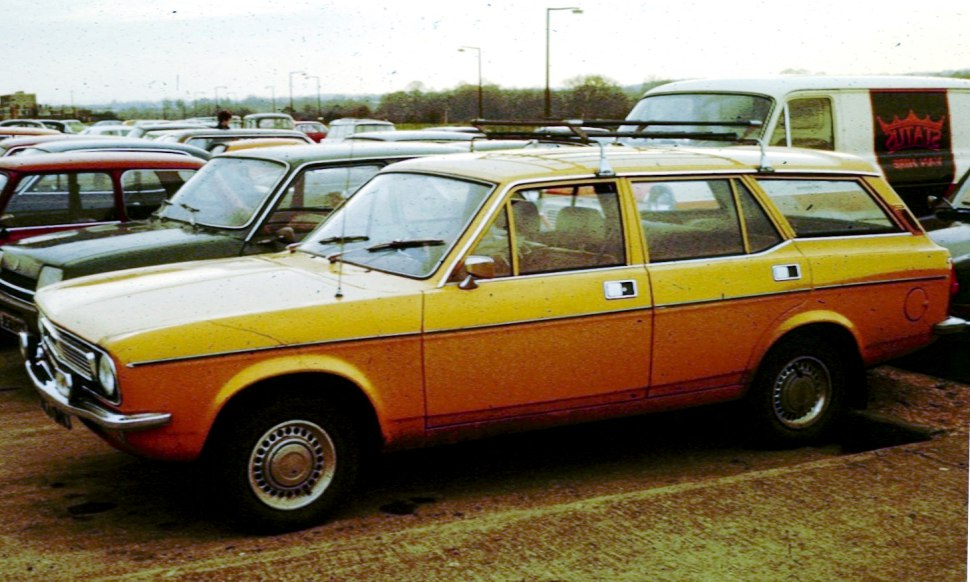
(950, 326)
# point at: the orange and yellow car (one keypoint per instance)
(465, 295)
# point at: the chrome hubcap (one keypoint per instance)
(292, 464)
(801, 392)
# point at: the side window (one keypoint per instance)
(689, 219)
(314, 194)
(69, 198)
(762, 234)
(811, 124)
(559, 228)
(828, 207)
(144, 190)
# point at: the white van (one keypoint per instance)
(917, 129)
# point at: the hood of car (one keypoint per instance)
(233, 305)
(116, 246)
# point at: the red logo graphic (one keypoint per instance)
(912, 132)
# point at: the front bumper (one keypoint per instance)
(951, 325)
(55, 386)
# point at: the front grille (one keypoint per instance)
(69, 349)
(17, 285)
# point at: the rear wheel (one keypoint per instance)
(797, 392)
(283, 466)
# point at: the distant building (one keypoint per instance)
(19, 104)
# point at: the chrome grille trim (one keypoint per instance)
(72, 351)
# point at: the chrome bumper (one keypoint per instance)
(54, 387)
(951, 325)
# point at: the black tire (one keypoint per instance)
(283, 466)
(797, 392)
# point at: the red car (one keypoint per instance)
(51, 192)
(314, 129)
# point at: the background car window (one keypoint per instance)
(689, 219)
(67, 198)
(144, 190)
(314, 194)
(811, 124)
(828, 207)
(558, 228)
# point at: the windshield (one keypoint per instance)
(961, 198)
(701, 107)
(226, 192)
(402, 223)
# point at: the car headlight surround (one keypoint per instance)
(49, 276)
(108, 377)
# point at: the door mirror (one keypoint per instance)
(477, 267)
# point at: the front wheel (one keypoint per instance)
(797, 392)
(283, 466)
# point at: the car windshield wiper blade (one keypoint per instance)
(406, 244)
(330, 240)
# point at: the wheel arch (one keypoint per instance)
(834, 331)
(310, 387)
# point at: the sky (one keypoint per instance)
(83, 52)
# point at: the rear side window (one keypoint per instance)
(811, 124)
(67, 198)
(817, 208)
(694, 219)
(144, 190)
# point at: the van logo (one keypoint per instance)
(912, 132)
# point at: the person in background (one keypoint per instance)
(223, 117)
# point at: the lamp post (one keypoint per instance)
(317, 77)
(195, 104)
(479, 53)
(272, 90)
(216, 92)
(549, 11)
(291, 87)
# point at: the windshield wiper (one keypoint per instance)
(191, 210)
(340, 240)
(406, 244)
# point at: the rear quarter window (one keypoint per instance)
(816, 208)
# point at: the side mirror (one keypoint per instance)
(477, 267)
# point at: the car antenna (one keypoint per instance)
(605, 170)
(763, 164)
(343, 228)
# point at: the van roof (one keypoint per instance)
(780, 85)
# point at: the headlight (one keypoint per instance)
(107, 377)
(49, 276)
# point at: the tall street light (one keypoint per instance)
(549, 11)
(216, 92)
(317, 77)
(272, 90)
(291, 88)
(479, 52)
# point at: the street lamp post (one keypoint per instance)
(195, 104)
(479, 53)
(272, 90)
(575, 10)
(317, 77)
(216, 91)
(291, 88)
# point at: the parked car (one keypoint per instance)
(916, 129)
(114, 130)
(954, 234)
(11, 145)
(416, 135)
(55, 192)
(208, 138)
(120, 144)
(344, 127)
(9, 131)
(154, 130)
(459, 296)
(267, 121)
(243, 203)
(316, 130)
(258, 142)
(62, 126)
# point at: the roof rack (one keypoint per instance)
(596, 131)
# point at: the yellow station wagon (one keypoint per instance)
(465, 295)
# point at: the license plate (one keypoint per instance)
(56, 414)
(11, 323)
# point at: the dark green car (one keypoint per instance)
(253, 201)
